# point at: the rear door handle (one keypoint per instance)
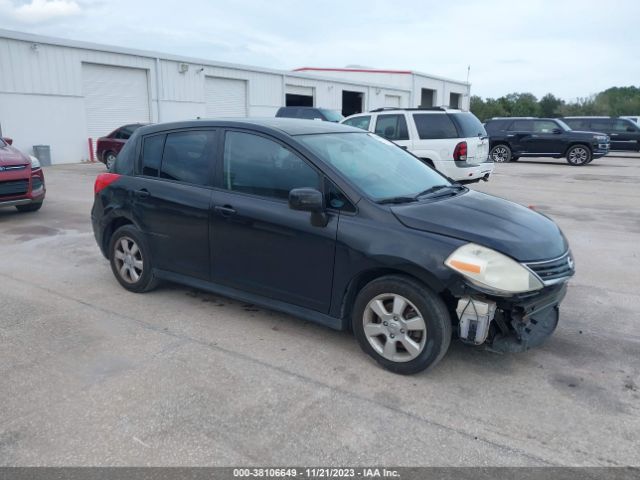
(142, 193)
(225, 210)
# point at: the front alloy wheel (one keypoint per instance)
(401, 324)
(394, 327)
(500, 154)
(578, 155)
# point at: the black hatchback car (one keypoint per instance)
(334, 225)
(515, 137)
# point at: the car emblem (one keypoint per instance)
(570, 262)
(2, 169)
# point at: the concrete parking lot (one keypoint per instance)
(91, 374)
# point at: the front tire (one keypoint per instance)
(131, 261)
(401, 324)
(31, 207)
(501, 153)
(579, 155)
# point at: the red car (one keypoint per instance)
(107, 148)
(21, 179)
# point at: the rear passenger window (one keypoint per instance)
(260, 166)
(151, 155)
(601, 125)
(521, 126)
(187, 156)
(431, 126)
(359, 122)
(577, 124)
(544, 126)
(392, 127)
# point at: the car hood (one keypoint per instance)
(496, 223)
(12, 156)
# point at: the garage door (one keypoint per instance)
(113, 96)
(391, 101)
(226, 97)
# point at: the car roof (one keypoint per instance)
(288, 126)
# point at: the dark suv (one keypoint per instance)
(309, 113)
(624, 133)
(515, 137)
(335, 225)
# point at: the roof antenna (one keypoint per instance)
(468, 71)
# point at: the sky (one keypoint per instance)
(570, 48)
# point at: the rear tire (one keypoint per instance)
(109, 160)
(579, 155)
(401, 324)
(131, 261)
(31, 207)
(500, 153)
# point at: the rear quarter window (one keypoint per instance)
(434, 126)
(468, 125)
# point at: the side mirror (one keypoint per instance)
(309, 200)
(557, 130)
(8, 141)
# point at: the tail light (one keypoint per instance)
(460, 152)
(103, 181)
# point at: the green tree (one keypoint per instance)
(550, 105)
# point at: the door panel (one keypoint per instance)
(258, 243)
(263, 247)
(172, 198)
(175, 219)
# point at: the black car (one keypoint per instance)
(309, 113)
(515, 137)
(334, 225)
(624, 133)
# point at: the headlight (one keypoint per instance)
(492, 270)
(35, 163)
(601, 138)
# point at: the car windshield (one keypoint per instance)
(379, 168)
(563, 125)
(332, 115)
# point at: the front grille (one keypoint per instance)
(13, 188)
(551, 270)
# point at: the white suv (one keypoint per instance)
(452, 141)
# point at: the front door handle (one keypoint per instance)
(225, 210)
(142, 193)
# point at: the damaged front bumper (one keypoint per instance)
(508, 324)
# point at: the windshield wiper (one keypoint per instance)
(436, 188)
(401, 199)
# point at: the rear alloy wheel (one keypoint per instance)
(110, 160)
(500, 153)
(130, 261)
(578, 155)
(404, 326)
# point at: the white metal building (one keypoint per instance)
(61, 93)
